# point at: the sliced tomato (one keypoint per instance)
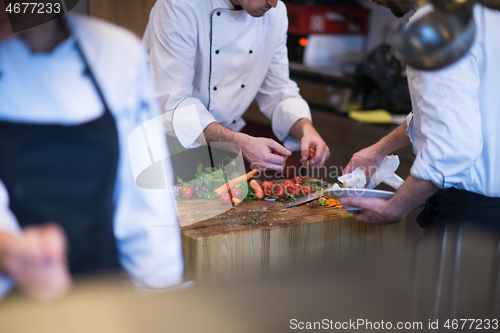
(298, 180)
(267, 188)
(293, 190)
(279, 191)
(306, 189)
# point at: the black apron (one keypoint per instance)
(454, 206)
(66, 174)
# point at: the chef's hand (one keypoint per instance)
(313, 140)
(309, 138)
(375, 211)
(36, 261)
(368, 159)
(263, 153)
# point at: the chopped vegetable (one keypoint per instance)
(225, 199)
(236, 193)
(231, 184)
(298, 180)
(269, 200)
(235, 200)
(329, 202)
(177, 189)
(259, 193)
(251, 194)
(199, 188)
(186, 193)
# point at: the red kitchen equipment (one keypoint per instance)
(305, 20)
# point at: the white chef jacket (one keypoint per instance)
(52, 88)
(456, 115)
(207, 54)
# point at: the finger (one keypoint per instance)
(273, 145)
(349, 168)
(29, 247)
(360, 216)
(320, 150)
(326, 156)
(304, 150)
(372, 204)
(274, 159)
(53, 242)
(271, 166)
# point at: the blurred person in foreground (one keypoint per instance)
(453, 129)
(218, 56)
(71, 92)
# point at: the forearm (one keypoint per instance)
(301, 127)
(395, 140)
(409, 196)
(215, 132)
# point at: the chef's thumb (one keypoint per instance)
(54, 242)
(279, 148)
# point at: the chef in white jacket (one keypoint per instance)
(454, 133)
(71, 92)
(210, 59)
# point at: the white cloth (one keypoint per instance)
(385, 173)
(456, 114)
(197, 46)
(52, 88)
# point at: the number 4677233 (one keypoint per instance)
(33, 8)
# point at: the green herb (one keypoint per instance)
(253, 218)
(212, 178)
(251, 194)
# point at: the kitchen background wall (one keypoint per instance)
(134, 15)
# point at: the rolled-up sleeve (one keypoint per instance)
(172, 39)
(279, 97)
(446, 124)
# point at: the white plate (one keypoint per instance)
(339, 193)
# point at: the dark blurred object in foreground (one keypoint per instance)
(383, 82)
(451, 275)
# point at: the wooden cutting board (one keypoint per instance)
(258, 237)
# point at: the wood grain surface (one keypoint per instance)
(258, 237)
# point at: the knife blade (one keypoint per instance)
(308, 198)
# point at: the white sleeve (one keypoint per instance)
(279, 97)
(146, 225)
(447, 103)
(172, 39)
(8, 223)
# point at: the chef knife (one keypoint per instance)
(308, 198)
